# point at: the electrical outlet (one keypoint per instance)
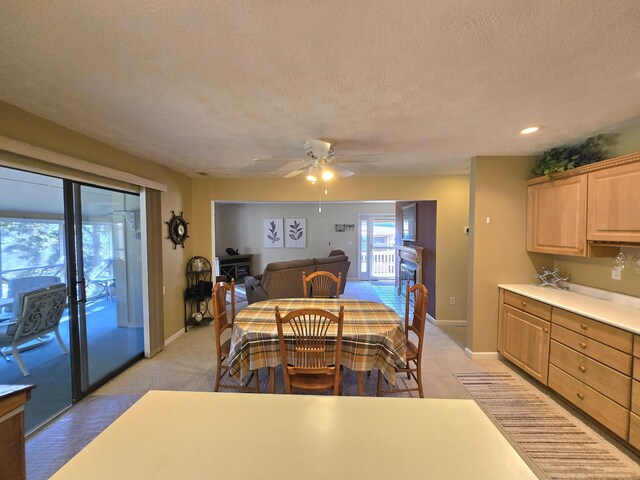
(452, 300)
(616, 273)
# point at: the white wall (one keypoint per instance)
(239, 225)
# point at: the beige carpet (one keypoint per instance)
(561, 447)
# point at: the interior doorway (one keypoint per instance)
(376, 247)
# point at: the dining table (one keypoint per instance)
(372, 337)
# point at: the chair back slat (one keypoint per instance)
(321, 284)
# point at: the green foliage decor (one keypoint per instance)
(559, 159)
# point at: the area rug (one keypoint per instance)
(557, 444)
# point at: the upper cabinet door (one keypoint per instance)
(556, 216)
(614, 204)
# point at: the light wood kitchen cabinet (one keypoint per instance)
(613, 199)
(556, 216)
(589, 211)
(590, 401)
(523, 338)
(590, 366)
(590, 363)
(634, 420)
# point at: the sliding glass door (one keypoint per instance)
(108, 272)
(83, 241)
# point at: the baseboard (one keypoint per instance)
(173, 337)
(481, 355)
(451, 323)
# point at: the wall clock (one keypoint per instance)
(177, 229)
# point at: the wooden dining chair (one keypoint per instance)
(412, 323)
(321, 284)
(222, 324)
(307, 361)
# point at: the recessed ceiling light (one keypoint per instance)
(529, 130)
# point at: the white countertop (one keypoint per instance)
(605, 311)
(198, 435)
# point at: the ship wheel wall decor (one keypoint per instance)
(177, 229)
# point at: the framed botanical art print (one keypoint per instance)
(295, 233)
(272, 233)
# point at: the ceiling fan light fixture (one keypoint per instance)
(312, 175)
(327, 174)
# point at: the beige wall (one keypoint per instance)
(21, 125)
(234, 220)
(497, 251)
(451, 193)
(596, 272)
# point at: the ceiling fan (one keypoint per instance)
(322, 163)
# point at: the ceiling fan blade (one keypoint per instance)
(360, 155)
(281, 159)
(340, 170)
(296, 172)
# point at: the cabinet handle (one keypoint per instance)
(524, 304)
(583, 345)
(580, 396)
(545, 330)
(581, 368)
(583, 326)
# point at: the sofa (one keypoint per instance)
(284, 279)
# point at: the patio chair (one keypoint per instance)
(17, 285)
(306, 362)
(222, 324)
(323, 284)
(414, 352)
(36, 313)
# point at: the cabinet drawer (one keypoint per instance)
(636, 368)
(635, 398)
(634, 430)
(612, 336)
(603, 353)
(636, 346)
(605, 380)
(528, 305)
(601, 408)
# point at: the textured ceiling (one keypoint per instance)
(207, 86)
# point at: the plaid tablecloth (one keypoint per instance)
(372, 335)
